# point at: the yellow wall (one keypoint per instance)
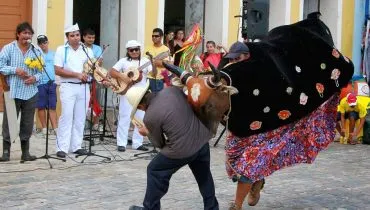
(348, 9)
(234, 9)
(151, 17)
(294, 11)
(55, 23)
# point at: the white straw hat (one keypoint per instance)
(134, 95)
(132, 43)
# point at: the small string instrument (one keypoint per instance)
(134, 74)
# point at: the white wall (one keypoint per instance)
(39, 17)
(332, 17)
(132, 22)
(279, 13)
(216, 21)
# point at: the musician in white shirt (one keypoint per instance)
(133, 59)
(74, 92)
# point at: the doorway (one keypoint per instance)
(87, 15)
(174, 15)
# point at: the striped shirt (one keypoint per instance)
(11, 58)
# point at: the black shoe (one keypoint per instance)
(80, 152)
(61, 154)
(136, 208)
(142, 148)
(121, 148)
(6, 152)
(26, 156)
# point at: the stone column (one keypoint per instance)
(109, 34)
(194, 13)
(109, 30)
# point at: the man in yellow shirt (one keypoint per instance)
(156, 78)
(352, 107)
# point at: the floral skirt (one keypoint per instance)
(258, 156)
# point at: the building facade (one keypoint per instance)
(117, 21)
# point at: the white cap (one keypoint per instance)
(134, 95)
(132, 43)
(71, 28)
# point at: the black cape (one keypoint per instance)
(294, 63)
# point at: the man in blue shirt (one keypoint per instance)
(22, 78)
(89, 39)
(47, 87)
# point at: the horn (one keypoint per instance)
(172, 68)
(181, 73)
(216, 74)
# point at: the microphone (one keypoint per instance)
(82, 44)
(29, 41)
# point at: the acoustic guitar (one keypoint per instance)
(134, 74)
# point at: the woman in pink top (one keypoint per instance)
(211, 55)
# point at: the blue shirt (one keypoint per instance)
(11, 58)
(96, 50)
(49, 67)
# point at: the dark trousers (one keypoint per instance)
(161, 168)
(27, 110)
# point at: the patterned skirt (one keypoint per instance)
(258, 156)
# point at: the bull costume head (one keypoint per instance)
(290, 74)
(206, 93)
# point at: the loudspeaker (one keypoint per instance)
(256, 17)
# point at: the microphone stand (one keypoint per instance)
(154, 151)
(46, 155)
(93, 67)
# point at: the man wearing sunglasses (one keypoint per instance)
(133, 59)
(156, 78)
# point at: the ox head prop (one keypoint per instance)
(208, 94)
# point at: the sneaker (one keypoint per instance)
(136, 208)
(233, 206)
(142, 148)
(43, 131)
(80, 152)
(121, 148)
(53, 131)
(61, 154)
(254, 193)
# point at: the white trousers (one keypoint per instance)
(75, 101)
(124, 124)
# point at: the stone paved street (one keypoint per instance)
(339, 179)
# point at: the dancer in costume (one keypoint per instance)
(291, 84)
(285, 110)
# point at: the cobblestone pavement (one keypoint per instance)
(339, 179)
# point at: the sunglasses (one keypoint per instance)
(134, 50)
(155, 36)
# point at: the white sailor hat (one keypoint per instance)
(71, 28)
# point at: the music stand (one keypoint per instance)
(102, 136)
(93, 67)
(46, 155)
